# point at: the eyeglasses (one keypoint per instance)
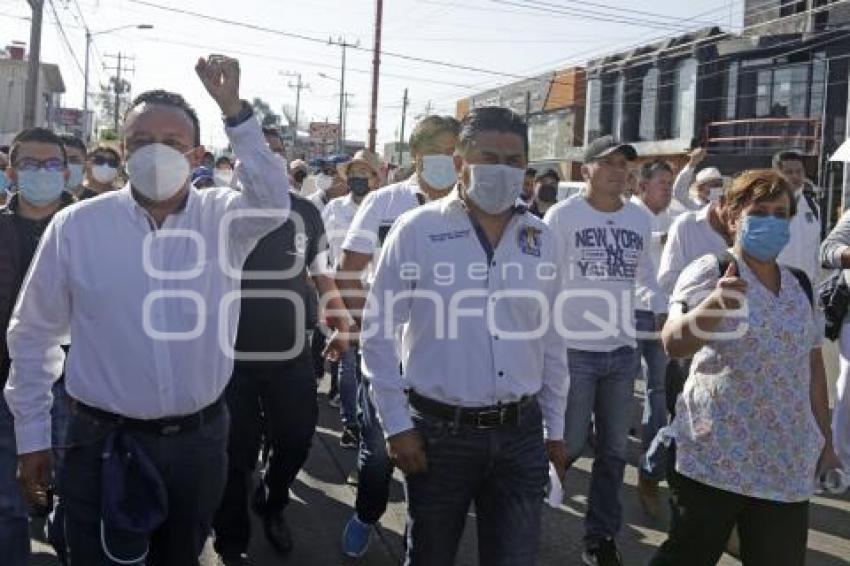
(104, 160)
(29, 164)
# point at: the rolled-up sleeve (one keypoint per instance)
(263, 203)
(682, 186)
(383, 316)
(40, 324)
(835, 243)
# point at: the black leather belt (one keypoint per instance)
(504, 414)
(168, 426)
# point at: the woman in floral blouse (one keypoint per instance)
(752, 425)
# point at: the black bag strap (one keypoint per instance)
(724, 259)
(813, 205)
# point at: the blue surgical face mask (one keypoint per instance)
(75, 178)
(764, 237)
(41, 186)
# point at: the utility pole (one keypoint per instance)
(86, 121)
(118, 85)
(298, 86)
(403, 118)
(34, 63)
(344, 45)
(376, 68)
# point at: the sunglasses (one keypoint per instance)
(104, 160)
(29, 164)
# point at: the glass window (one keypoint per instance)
(593, 128)
(649, 98)
(763, 86)
(818, 86)
(686, 98)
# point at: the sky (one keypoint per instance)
(506, 38)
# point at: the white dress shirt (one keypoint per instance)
(338, 216)
(152, 313)
(660, 225)
(690, 237)
(435, 282)
(604, 259)
(803, 248)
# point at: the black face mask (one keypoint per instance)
(358, 186)
(547, 193)
(299, 176)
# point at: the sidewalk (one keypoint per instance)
(322, 503)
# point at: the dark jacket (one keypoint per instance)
(13, 268)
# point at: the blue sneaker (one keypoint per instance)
(356, 537)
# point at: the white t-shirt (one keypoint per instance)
(603, 257)
(377, 213)
(337, 216)
(690, 237)
(803, 247)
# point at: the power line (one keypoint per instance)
(584, 3)
(65, 37)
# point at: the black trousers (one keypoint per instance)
(277, 403)
(771, 532)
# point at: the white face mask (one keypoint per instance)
(223, 177)
(494, 188)
(715, 194)
(104, 173)
(158, 171)
(324, 182)
(439, 171)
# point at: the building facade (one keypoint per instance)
(13, 80)
(553, 105)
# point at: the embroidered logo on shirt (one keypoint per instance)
(528, 239)
(454, 235)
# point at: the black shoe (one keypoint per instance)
(236, 560)
(277, 532)
(350, 437)
(602, 553)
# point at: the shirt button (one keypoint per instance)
(501, 374)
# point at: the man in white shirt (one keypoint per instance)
(361, 175)
(432, 144)
(469, 282)
(694, 194)
(604, 249)
(803, 247)
(140, 278)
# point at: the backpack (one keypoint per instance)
(835, 298)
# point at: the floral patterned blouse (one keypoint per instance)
(744, 421)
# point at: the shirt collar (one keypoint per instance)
(702, 213)
(133, 207)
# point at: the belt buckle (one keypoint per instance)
(481, 415)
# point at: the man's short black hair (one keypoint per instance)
(787, 155)
(166, 98)
(105, 149)
(73, 141)
(490, 119)
(39, 135)
(649, 169)
(224, 159)
(271, 131)
(429, 128)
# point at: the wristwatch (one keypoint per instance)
(243, 115)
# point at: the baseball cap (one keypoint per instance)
(606, 145)
(709, 174)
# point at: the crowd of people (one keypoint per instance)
(169, 314)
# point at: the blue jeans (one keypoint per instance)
(373, 465)
(14, 525)
(502, 470)
(348, 379)
(601, 386)
(652, 463)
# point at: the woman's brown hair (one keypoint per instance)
(757, 185)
